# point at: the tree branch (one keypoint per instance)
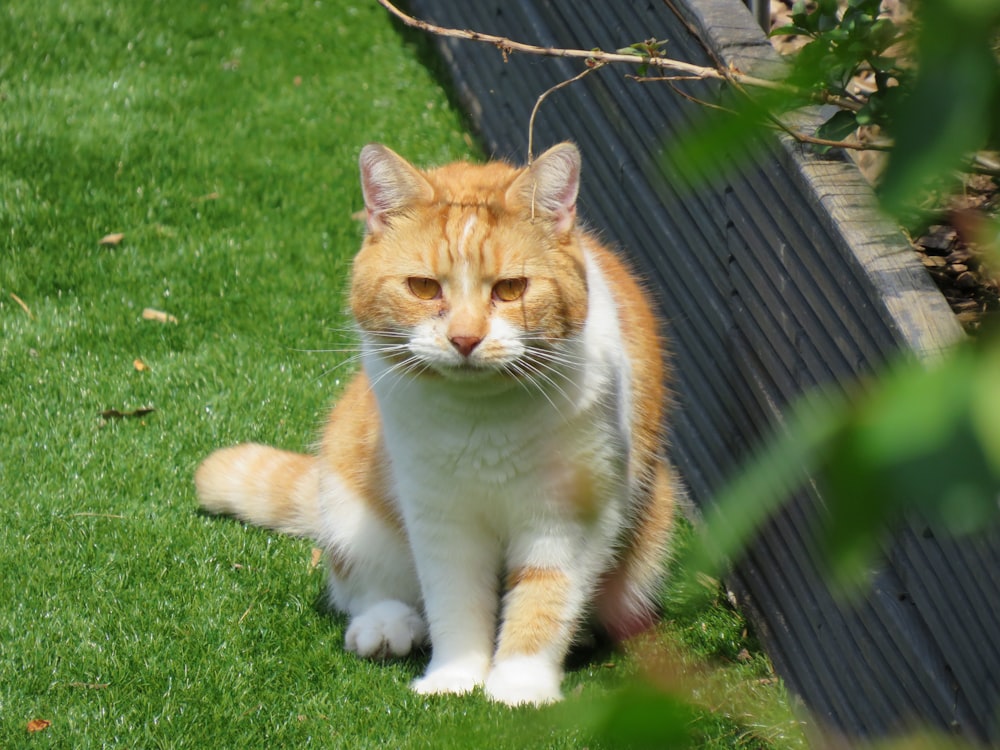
(507, 46)
(596, 58)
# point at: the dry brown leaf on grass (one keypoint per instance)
(158, 315)
(116, 414)
(112, 239)
(23, 304)
(140, 366)
(38, 725)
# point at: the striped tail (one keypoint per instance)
(262, 486)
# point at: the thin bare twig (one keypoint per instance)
(507, 46)
(669, 80)
(597, 58)
(538, 103)
(816, 141)
(661, 79)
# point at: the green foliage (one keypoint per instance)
(647, 49)
(840, 47)
(938, 107)
(936, 94)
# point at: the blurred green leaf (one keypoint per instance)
(942, 121)
(723, 138)
(636, 717)
(919, 440)
(765, 482)
(985, 404)
(953, 103)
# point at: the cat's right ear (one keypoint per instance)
(390, 184)
(550, 185)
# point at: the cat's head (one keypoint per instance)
(470, 270)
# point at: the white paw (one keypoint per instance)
(524, 680)
(390, 628)
(457, 677)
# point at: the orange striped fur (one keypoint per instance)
(508, 416)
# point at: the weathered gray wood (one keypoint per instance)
(777, 279)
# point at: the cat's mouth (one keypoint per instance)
(468, 370)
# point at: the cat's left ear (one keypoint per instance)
(550, 185)
(390, 185)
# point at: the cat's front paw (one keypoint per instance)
(457, 677)
(390, 628)
(524, 680)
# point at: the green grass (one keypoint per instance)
(222, 142)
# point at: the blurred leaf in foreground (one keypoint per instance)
(636, 717)
(953, 106)
(918, 440)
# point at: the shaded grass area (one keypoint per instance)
(221, 141)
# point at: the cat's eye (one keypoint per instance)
(509, 290)
(424, 288)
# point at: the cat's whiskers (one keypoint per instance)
(356, 357)
(554, 349)
(412, 365)
(357, 350)
(354, 352)
(540, 376)
(555, 361)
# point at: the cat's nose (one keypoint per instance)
(465, 344)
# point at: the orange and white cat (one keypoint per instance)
(492, 476)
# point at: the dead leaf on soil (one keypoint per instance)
(115, 414)
(112, 239)
(140, 366)
(38, 725)
(158, 315)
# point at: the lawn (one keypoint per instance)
(199, 160)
